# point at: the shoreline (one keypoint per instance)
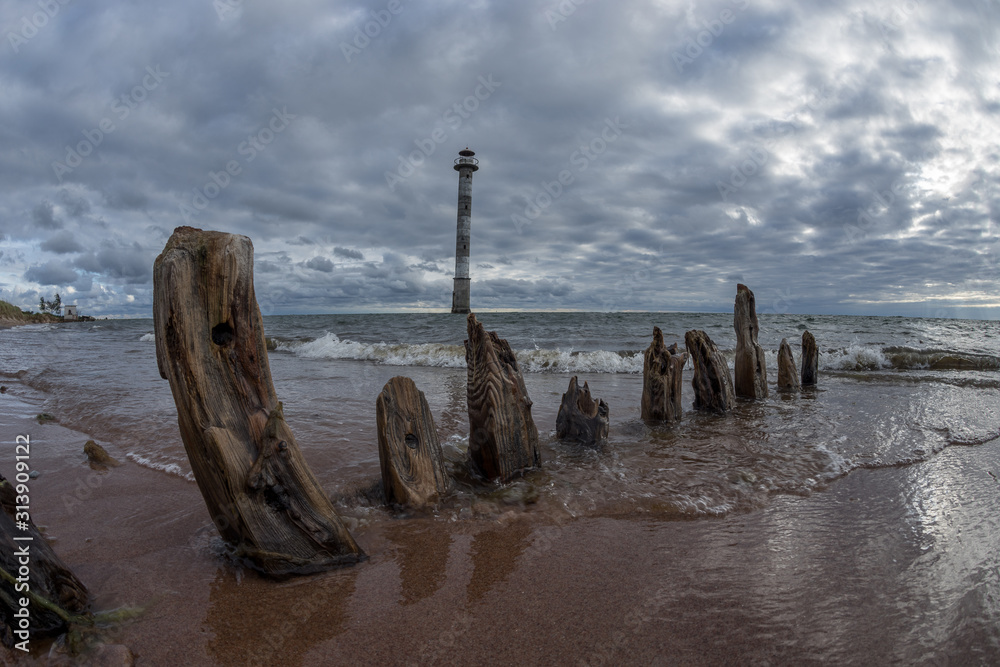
(598, 589)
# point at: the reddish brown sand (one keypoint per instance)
(806, 579)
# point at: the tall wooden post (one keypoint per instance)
(503, 439)
(210, 346)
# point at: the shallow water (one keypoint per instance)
(879, 402)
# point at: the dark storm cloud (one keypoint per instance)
(43, 216)
(61, 243)
(320, 264)
(348, 253)
(831, 155)
(51, 273)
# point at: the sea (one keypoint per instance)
(892, 391)
(894, 394)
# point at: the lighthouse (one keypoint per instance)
(465, 164)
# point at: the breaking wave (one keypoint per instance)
(331, 346)
(169, 468)
(856, 357)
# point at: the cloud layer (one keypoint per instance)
(836, 157)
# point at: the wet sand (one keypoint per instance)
(805, 580)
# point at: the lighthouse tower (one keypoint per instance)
(465, 164)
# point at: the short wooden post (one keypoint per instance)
(661, 380)
(581, 418)
(410, 455)
(712, 382)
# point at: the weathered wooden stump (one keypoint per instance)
(210, 346)
(33, 573)
(788, 376)
(750, 366)
(712, 382)
(580, 418)
(661, 380)
(503, 439)
(810, 359)
(408, 449)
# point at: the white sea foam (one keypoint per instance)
(597, 361)
(331, 346)
(857, 357)
(148, 338)
(169, 468)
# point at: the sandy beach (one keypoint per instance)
(805, 580)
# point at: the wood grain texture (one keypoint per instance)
(582, 419)
(503, 439)
(750, 366)
(712, 382)
(788, 374)
(661, 380)
(262, 496)
(413, 473)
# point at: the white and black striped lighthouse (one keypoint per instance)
(465, 164)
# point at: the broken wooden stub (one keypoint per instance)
(712, 382)
(31, 571)
(661, 380)
(750, 367)
(788, 375)
(210, 346)
(408, 449)
(581, 418)
(810, 359)
(503, 439)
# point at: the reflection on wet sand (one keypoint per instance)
(256, 622)
(422, 554)
(494, 556)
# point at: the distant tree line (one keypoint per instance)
(54, 306)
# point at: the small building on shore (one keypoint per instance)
(70, 314)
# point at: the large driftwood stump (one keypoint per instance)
(661, 380)
(712, 382)
(810, 359)
(408, 448)
(581, 418)
(750, 367)
(210, 346)
(788, 376)
(503, 440)
(33, 573)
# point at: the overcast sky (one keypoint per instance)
(835, 156)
